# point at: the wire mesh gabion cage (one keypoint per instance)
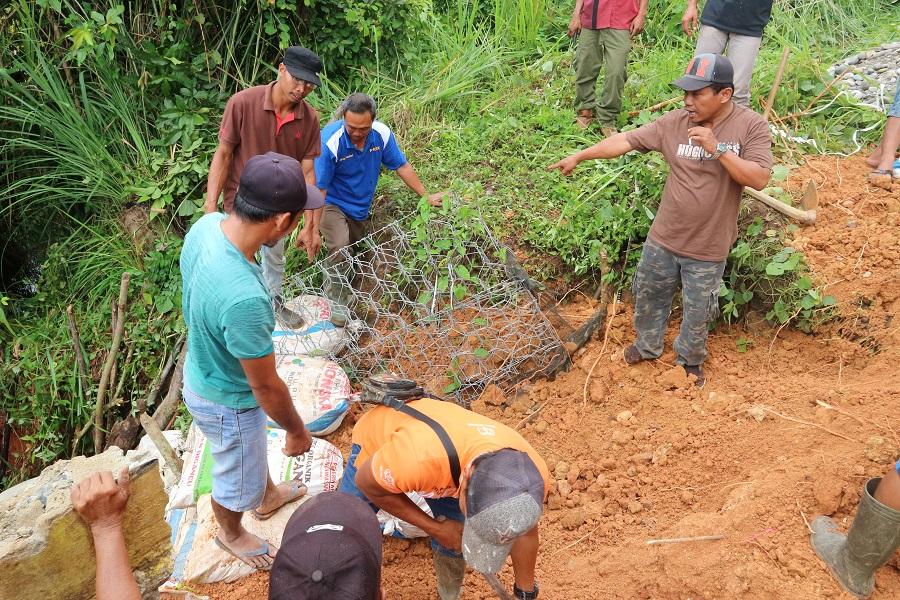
(441, 302)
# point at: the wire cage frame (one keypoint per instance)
(441, 302)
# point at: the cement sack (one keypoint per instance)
(394, 527)
(320, 469)
(318, 336)
(320, 390)
(197, 557)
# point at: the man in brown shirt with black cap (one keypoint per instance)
(272, 118)
(714, 148)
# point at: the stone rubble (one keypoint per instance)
(871, 75)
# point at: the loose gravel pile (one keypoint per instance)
(872, 75)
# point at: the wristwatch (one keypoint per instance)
(520, 594)
(721, 148)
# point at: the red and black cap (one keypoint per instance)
(331, 549)
(705, 70)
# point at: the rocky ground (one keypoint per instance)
(788, 427)
(871, 76)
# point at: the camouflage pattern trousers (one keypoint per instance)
(654, 285)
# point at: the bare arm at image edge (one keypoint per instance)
(690, 21)
(101, 501)
(219, 170)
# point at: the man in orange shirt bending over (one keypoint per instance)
(485, 486)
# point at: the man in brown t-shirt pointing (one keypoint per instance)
(714, 148)
(272, 118)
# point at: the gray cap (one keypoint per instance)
(504, 500)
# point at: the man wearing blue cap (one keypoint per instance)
(714, 148)
(230, 382)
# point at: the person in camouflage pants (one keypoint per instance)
(714, 148)
(654, 285)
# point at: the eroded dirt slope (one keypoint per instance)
(789, 429)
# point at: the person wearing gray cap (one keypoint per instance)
(483, 482)
(272, 118)
(230, 381)
(714, 148)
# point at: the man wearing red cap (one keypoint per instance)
(230, 382)
(272, 118)
(714, 148)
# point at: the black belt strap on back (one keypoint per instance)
(449, 448)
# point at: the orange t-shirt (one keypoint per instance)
(407, 455)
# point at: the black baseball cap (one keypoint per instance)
(705, 70)
(331, 549)
(303, 64)
(275, 182)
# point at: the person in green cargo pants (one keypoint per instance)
(604, 29)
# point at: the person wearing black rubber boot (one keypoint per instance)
(872, 539)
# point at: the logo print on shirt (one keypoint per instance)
(374, 148)
(387, 476)
(484, 429)
(692, 152)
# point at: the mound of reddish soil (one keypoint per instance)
(786, 430)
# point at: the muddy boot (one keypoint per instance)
(584, 118)
(450, 571)
(871, 541)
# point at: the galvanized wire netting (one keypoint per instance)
(440, 303)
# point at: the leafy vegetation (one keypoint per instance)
(106, 104)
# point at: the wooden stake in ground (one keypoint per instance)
(699, 538)
(775, 84)
(155, 434)
(169, 406)
(79, 355)
(110, 361)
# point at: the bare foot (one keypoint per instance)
(248, 548)
(277, 497)
(874, 159)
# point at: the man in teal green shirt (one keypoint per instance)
(230, 382)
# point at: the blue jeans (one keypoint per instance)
(237, 441)
(440, 507)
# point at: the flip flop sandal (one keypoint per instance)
(297, 494)
(243, 556)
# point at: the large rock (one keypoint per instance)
(46, 551)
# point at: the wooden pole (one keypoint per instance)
(775, 84)
(156, 436)
(805, 217)
(79, 355)
(119, 313)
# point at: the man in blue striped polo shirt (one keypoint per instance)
(354, 148)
